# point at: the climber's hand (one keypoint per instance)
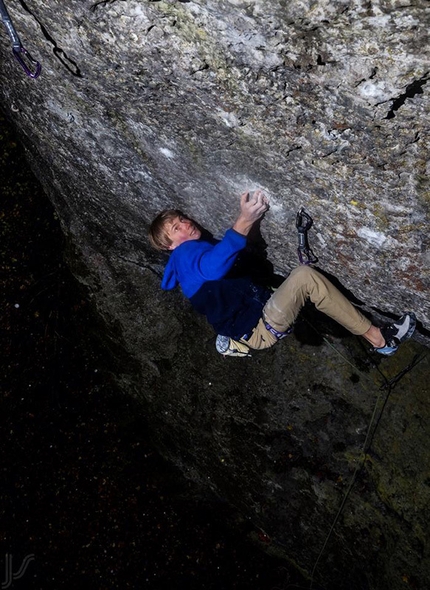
(252, 208)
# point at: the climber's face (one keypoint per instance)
(180, 230)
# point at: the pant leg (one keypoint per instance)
(305, 282)
(261, 337)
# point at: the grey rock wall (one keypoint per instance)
(143, 105)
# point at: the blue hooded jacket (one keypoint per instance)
(232, 305)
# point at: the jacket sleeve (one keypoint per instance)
(196, 261)
(213, 264)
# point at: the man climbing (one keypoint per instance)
(245, 314)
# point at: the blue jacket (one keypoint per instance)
(232, 305)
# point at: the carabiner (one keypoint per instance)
(33, 68)
(303, 221)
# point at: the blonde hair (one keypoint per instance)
(157, 230)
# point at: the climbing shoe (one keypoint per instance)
(396, 333)
(229, 347)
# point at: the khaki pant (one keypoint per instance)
(286, 302)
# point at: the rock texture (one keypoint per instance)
(143, 105)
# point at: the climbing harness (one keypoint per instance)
(278, 335)
(303, 223)
(30, 66)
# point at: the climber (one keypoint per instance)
(245, 314)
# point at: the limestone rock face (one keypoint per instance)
(144, 105)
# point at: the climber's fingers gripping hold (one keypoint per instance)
(254, 206)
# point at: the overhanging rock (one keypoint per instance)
(143, 105)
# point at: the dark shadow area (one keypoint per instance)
(82, 490)
(411, 90)
(253, 261)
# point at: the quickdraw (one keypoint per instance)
(303, 223)
(30, 66)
